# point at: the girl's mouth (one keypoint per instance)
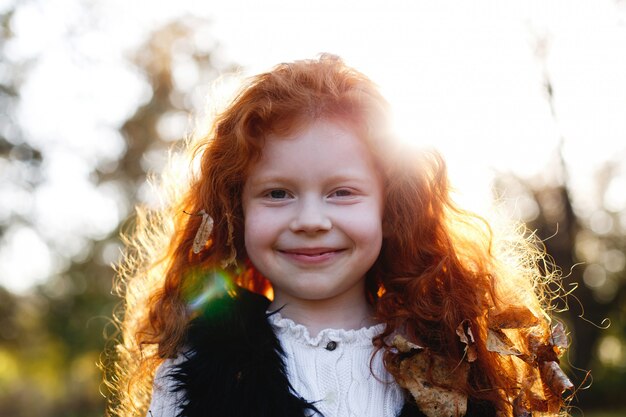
(311, 255)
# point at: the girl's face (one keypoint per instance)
(313, 214)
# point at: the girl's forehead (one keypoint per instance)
(319, 130)
(330, 135)
(299, 126)
(322, 149)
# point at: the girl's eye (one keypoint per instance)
(342, 193)
(277, 194)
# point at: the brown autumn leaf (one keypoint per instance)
(553, 376)
(404, 345)
(464, 331)
(558, 338)
(535, 397)
(498, 342)
(542, 351)
(515, 317)
(431, 395)
(551, 404)
(521, 407)
(432, 400)
(540, 405)
(203, 233)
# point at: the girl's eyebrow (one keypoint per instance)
(347, 178)
(263, 179)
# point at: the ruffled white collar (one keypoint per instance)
(285, 327)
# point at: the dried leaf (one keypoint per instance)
(434, 400)
(529, 359)
(464, 331)
(558, 337)
(404, 345)
(540, 350)
(551, 405)
(533, 399)
(534, 341)
(203, 233)
(498, 342)
(540, 405)
(516, 317)
(521, 407)
(521, 412)
(471, 354)
(554, 377)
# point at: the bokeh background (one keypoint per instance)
(526, 100)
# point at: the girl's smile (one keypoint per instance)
(313, 216)
(311, 256)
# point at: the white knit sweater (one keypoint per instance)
(333, 370)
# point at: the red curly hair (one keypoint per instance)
(439, 266)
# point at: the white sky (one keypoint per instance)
(460, 75)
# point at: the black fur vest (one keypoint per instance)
(234, 365)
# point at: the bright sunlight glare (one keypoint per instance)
(467, 78)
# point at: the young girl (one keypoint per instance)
(314, 266)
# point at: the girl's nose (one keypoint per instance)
(310, 217)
